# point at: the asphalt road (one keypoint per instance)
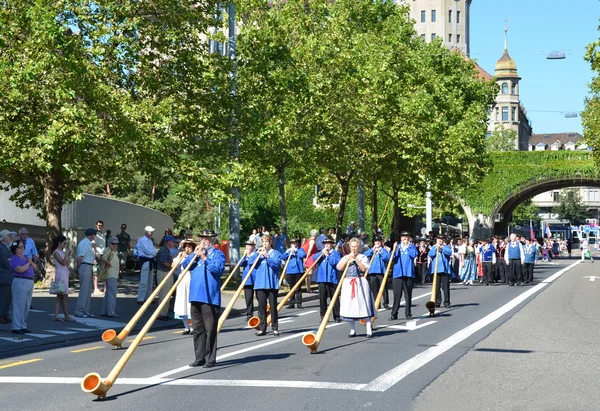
(500, 347)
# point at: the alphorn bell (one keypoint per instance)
(111, 337)
(312, 340)
(284, 269)
(229, 307)
(431, 304)
(255, 321)
(93, 383)
(231, 273)
(383, 285)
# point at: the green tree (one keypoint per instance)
(525, 212)
(501, 139)
(591, 113)
(570, 207)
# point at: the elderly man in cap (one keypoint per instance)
(164, 263)
(146, 253)
(6, 276)
(205, 298)
(403, 275)
(84, 267)
(327, 277)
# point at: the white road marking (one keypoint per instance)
(83, 330)
(15, 340)
(37, 311)
(395, 375)
(40, 335)
(61, 332)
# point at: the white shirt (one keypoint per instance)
(85, 250)
(145, 247)
(100, 242)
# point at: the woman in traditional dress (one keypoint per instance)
(182, 307)
(356, 301)
(469, 270)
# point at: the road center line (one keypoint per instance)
(17, 363)
(395, 375)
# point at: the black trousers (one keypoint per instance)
(421, 273)
(263, 296)
(528, 272)
(514, 266)
(204, 322)
(249, 297)
(292, 279)
(326, 291)
(503, 270)
(488, 272)
(375, 283)
(443, 284)
(402, 284)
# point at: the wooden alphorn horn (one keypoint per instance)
(312, 340)
(229, 307)
(255, 321)
(231, 273)
(111, 337)
(383, 283)
(284, 269)
(93, 383)
(431, 304)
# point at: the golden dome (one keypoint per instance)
(506, 66)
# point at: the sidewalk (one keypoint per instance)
(45, 331)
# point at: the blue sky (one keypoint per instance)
(536, 27)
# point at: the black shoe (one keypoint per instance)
(26, 330)
(351, 335)
(368, 335)
(18, 332)
(409, 317)
(291, 306)
(437, 306)
(248, 316)
(153, 301)
(518, 284)
(512, 284)
(276, 333)
(447, 305)
(186, 332)
(299, 306)
(209, 365)
(393, 318)
(338, 320)
(386, 306)
(198, 363)
(261, 333)
(141, 302)
(162, 318)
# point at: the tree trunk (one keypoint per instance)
(374, 212)
(282, 207)
(108, 193)
(53, 200)
(396, 223)
(153, 191)
(345, 186)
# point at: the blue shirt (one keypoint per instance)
(531, 254)
(319, 241)
(404, 265)
(379, 262)
(30, 250)
(205, 282)
(246, 266)
(279, 242)
(487, 253)
(327, 272)
(442, 261)
(266, 272)
(296, 264)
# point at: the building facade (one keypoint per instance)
(448, 20)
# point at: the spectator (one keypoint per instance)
(181, 235)
(253, 236)
(99, 245)
(110, 260)
(6, 277)
(164, 262)
(30, 249)
(310, 248)
(332, 233)
(61, 256)
(351, 229)
(123, 248)
(84, 267)
(146, 253)
(279, 240)
(22, 286)
(319, 240)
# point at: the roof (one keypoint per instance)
(482, 74)
(553, 137)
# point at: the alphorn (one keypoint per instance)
(231, 273)
(312, 340)
(255, 321)
(93, 383)
(229, 307)
(431, 304)
(383, 285)
(284, 269)
(111, 337)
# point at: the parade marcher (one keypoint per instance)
(266, 284)
(488, 259)
(531, 256)
(380, 257)
(501, 264)
(514, 257)
(356, 300)
(327, 277)
(182, 307)
(110, 261)
(469, 267)
(6, 277)
(22, 269)
(146, 253)
(205, 298)
(249, 286)
(403, 275)
(421, 262)
(295, 270)
(164, 263)
(84, 268)
(440, 260)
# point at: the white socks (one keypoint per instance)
(369, 327)
(352, 328)
(186, 323)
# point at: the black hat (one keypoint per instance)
(188, 241)
(484, 239)
(329, 239)
(90, 231)
(378, 238)
(250, 242)
(295, 240)
(207, 233)
(405, 233)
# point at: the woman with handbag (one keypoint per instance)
(60, 285)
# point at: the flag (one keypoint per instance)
(548, 232)
(531, 234)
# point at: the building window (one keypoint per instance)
(513, 114)
(423, 16)
(458, 38)
(505, 113)
(449, 37)
(497, 113)
(433, 16)
(458, 17)
(555, 196)
(504, 88)
(433, 36)
(423, 37)
(449, 16)
(593, 195)
(513, 89)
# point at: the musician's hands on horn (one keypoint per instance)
(262, 252)
(200, 252)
